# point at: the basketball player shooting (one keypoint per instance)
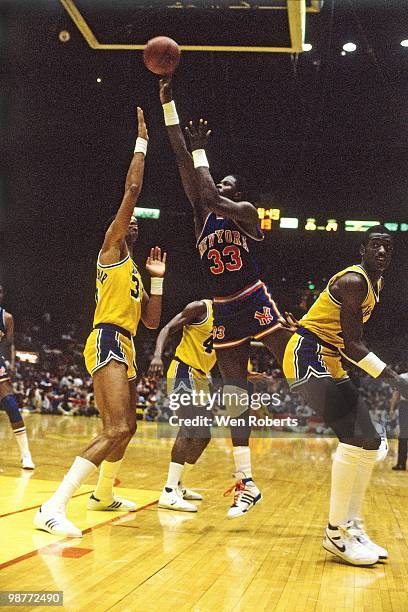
(226, 227)
(121, 302)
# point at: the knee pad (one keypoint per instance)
(235, 399)
(9, 404)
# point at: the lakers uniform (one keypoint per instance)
(119, 293)
(4, 373)
(243, 307)
(194, 358)
(314, 351)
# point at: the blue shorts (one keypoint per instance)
(246, 315)
(307, 356)
(4, 373)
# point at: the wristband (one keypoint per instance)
(170, 113)
(200, 159)
(141, 145)
(156, 286)
(372, 365)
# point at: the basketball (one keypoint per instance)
(161, 55)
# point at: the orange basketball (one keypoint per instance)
(161, 55)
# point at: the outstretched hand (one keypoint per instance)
(156, 263)
(197, 136)
(155, 368)
(166, 93)
(141, 125)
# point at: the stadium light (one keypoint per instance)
(404, 43)
(349, 47)
(307, 47)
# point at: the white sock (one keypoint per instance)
(242, 459)
(345, 465)
(78, 472)
(22, 441)
(368, 460)
(108, 470)
(174, 475)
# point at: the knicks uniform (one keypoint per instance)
(243, 307)
(315, 350)
(4, 374)
(119, 292)
(195, 357)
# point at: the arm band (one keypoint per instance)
(200, 159)
(372, 365)
(141, 146)
(156, 286)
(170, 113)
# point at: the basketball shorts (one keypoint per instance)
(109, 342)
(182, 378)
(306, 357)
(4, 373)
(249, 314)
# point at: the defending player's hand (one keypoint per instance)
(166, 93)
(155, 368)
(156, 262)
(141, 125)
(197, 136)
(290, 322)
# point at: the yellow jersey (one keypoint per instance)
(118, 296)
(323, 318)
(195, 348)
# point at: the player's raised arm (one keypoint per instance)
(243, 212)
(351, 290)
(151, 306)
(192, 313)
(115, 235)
(183, 156)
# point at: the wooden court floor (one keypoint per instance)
(162, 560)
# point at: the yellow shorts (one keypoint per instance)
(306, 358)
(182, 377)
(106, 344)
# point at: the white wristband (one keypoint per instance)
(156, 286)
(170, 113)
(372, 365)
(200, 159)
(141, 145)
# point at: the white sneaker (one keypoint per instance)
(246, 496)
(357, 529)
(54, 521)
(173, 500)
(27, 462)
(189, 494)
(340, 542)
(116, 504)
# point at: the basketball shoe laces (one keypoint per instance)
(239, 487)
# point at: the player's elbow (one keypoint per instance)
(134, 189)
(151, 323)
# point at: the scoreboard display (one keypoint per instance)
(271, 219)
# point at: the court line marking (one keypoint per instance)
(87, 530)
(39, 505)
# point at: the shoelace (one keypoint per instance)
(346, 535)
(238, 486)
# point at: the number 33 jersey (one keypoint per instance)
(119, 293)
(225, 253)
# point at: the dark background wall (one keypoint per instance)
(321, 134)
